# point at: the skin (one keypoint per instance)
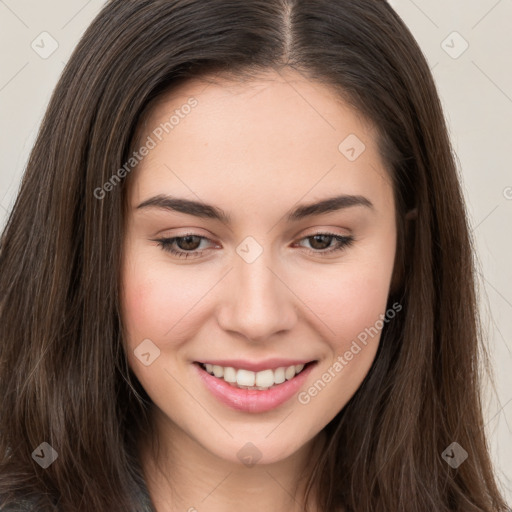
(256, 150)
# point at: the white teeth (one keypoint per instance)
(246, 379)
(289, 372)
(229, 374)
(279, 377)
(218, 371)
(265, 379)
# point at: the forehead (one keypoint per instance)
(280, 133)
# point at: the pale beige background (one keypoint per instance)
(476, 91)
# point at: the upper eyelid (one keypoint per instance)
(316, 231)
(172, 239)
(308, 235)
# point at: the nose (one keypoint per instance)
(257, 302)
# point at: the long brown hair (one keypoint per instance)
(64, 375)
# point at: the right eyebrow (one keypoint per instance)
(187, 206)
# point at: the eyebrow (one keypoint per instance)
(203, 210)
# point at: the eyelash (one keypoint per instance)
(167, 244)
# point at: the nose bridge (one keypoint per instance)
(256, 282)
(257, 303)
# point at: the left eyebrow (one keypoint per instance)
(331, 204)
(199, 209)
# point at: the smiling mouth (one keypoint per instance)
(247, 379)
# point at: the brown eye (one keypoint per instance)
(188, 243)
(187, 246)
(320, 242)
(326, 243)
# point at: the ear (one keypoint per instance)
(411, 214)
(402, 254)
(410, 217)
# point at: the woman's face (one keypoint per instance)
(275, 198)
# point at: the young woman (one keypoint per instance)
(238, 273)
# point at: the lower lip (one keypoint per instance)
(253, 400)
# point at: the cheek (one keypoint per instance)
(157, 302)
(351, 301)
(351, 314)
(347, 300)
(145, 309)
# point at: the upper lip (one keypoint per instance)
(256, 366)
